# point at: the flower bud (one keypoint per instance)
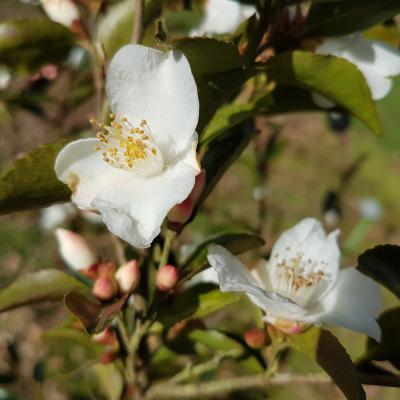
(199, 183)
(74, 250)
(181, 212)
(105, 287)
(167, 277)
(108, 357)
(64, 12)
(255, 338)
(128, 276)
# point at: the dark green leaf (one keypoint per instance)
(325, 349)
(31, 181)
(382, 263)
(389, 347)
(33, 42)
(333, 18)
(94, 315)
(48, 284)
(208, 56)
(237, 243)
(196, 302)
(215, 340)
(319, 73)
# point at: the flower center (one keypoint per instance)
(128, 147)
(297, 278)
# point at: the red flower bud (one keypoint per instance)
(105, 287)
(198, 187)
(108, 357)
(167, 277)
(128, 276)
(255, 338)
(181, 212)
(107, 337)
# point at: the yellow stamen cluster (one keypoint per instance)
(123, 145)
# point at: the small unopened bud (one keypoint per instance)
(200, 182)
(289, 327)
(181, 212)
(108, 357)
(64, 12)
(167, 277)
(107, 337)
(255, 338)
(128, 276)
(105, 287)
(74, 250)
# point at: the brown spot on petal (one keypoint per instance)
(72, 182)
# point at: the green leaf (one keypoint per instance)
(31, 181)
(325, 349)
(382, 263)
(33, 42)
(94, 315)
(215, 340)
(333, 18)
(389, 347)
(209, 56)
(236, 243)
(320, 73)
(48, 284)
(196, 302)
(75, 347)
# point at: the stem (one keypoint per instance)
(169, 238)
(125, 343)
(138, 20)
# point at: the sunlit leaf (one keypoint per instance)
(195, 302)
(320, 73)
(382, 263)
(48, 284)
(322, 347)
(31, 181)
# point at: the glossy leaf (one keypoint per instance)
(325, 349)
(338, 17)
(33, 42)
(208, 56)
(94, 315)
(316, 72)
(389, 347)
(48, 284)
(196, 302)
(382, 263)
(31, 181)
(237, 243)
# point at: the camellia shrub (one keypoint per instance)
(172, 93)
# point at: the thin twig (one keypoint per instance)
(138, 22)
(169, 238)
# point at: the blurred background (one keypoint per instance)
(327, 166)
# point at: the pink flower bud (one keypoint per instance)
(167, 277)
(181, 212)
(62, 11)
(74, 250)
(128, 276)
(105, 287)
(256, 338)
(198, 187)
(107, 337)
(108, 357)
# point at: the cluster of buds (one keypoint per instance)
(108, 281)
(181, 213)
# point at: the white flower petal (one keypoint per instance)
(222, 16)
(233, 276)
(81, 167)
(56, 215)
(146, 84)
(134, 209)
(353, 303)
(62, 11)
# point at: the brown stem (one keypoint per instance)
(138, 19)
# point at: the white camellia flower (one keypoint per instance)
(144, 162)
(64, 12)
(222, 16)
(302, 282)
(377, 61)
